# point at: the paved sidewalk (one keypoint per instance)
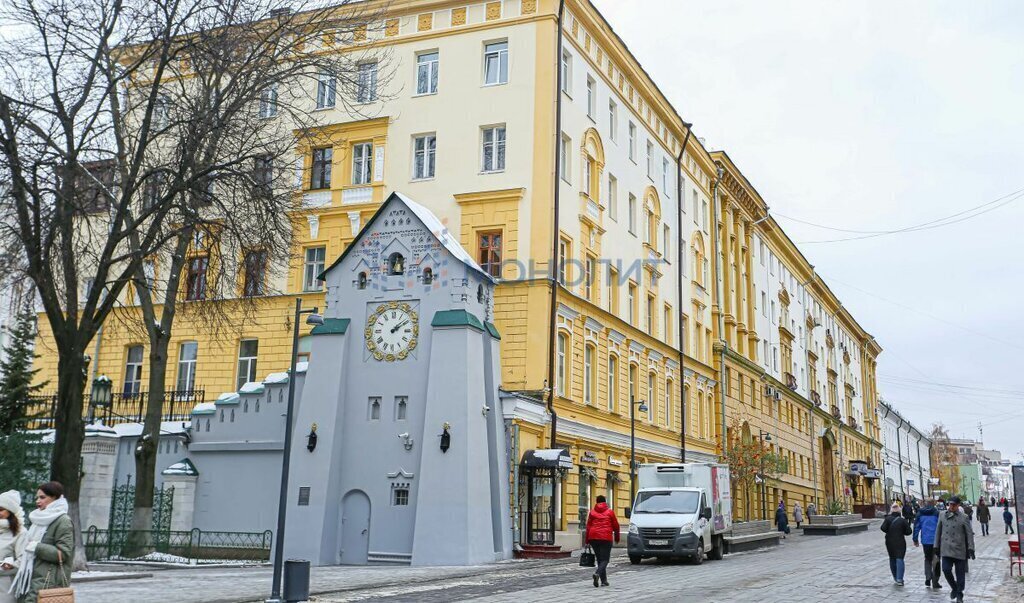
(802, 569)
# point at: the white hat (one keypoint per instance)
(11, 501)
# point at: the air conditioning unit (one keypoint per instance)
(769, 390)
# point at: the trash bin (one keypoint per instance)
(296, 580)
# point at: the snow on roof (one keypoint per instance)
(442, 233)
(134, 430)
(205, 408)
(227, 398)
(252, 387)
(99, 429)
(46, 436)
(182, 467)
(301, 367)
(273, 378)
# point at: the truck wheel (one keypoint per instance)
(717, 550)
(634, 559)
(699, 557)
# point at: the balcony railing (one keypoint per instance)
(125, 407)
(816, 398)
(835, 412)
(791, 381)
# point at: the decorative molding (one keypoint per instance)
(654, 356)
(425, 22)
(391, 28)
(458, 16)
(569, 427)
(493, 11)
(401, 473)
(671, 365)
(567, 312)
(592, 325)
(353, 220)
(314, 225)
(524, 408)
(636, 347)
(529, 7)
(616, 337)
(507, 194)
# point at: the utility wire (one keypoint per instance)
(955, 218)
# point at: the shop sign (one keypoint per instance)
(588, 457)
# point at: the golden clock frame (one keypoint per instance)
(371, 345)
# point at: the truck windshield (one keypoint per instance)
(666, 501)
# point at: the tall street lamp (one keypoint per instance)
(313, 319)
(763, 436)
(633, 405)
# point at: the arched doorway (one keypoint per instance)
(828, 456)
(355, 528)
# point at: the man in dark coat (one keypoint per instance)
(781, 519)
(908, 511)
(954, 544)
(896, 529)
(984, 516)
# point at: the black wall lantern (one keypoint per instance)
(446, 437)
(311, 439)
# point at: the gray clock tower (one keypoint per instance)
(402, 389)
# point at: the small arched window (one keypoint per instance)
(428, 276)
(396, 263)
(480, 293)
(361, 280)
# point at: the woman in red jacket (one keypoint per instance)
(602, 526)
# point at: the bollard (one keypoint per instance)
(296, 580)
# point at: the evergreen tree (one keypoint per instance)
(24, 456)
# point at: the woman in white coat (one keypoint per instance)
(12, 540)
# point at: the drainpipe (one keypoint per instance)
(679, 277)
(719, 294)
(555, 259)
(899, 454)
(920, 473)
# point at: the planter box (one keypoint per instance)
(833, 520)
(835, 525)
(750, 535)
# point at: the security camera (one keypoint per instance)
(404, 436)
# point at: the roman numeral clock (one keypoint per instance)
(392, 330)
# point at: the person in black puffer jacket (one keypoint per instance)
(896, 530)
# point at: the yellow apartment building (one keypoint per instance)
(630, 273)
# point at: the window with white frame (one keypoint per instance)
(650, 160)
(564, 156)
(612, 201)
(566, 70)
(366, 84)
(632, 142)
(320, 174)
(427, 64)
(560, 366)
(362, 163)
(651, 393)
(632, 214)
(188, 352)
(613, 381)
(704, 215)
(248, 350)
(496, 63)
(587, 172)
(326, 90)
(423, 150)
(493, 154)
(133, 371)
(664, 175)
(613, 121)
(666, 243)
(588, 375)
(591, 98)
(312, 268)
(268, 101)
(696, 209)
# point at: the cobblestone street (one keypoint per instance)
(803, 568)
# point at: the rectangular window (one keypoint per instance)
(153, 191)
(650, 315)
(632, 142)
(588, 277)
(401, 408)
(588, 375)
(632, 214)
(696, 209)
(426, 73)
(613, 121)
(563, 254)
(401, 497)
(613, 382)
(563, 344)
(631, 300)
(195, 279)
(326, 89)
(591, 97)
(362, 163)
(320, 176)
(496, 63)
(587, 172)
(263, 174)
(133, 371)
(255, 264)
(664, 175)
(366, 85)
(248, 350)
(613, 193)
(313, 267)
(493, 154)
(666, 323)
(666, 243)
(424, 149)
(373, 411)
(564, 155)
(188, 352)
(268, 101)
(650, 160)
(566, 67)
(704, 215)
(490, 253)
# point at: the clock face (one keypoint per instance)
(392, 331)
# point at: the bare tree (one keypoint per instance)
(127, 127)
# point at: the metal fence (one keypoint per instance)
(125, 407)
(194, 547)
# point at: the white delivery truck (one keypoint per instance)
(681, 510)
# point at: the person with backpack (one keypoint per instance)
(602, 527)
(896, 528)
(924, 536)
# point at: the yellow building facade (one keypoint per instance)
(628, 267)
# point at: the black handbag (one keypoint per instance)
(587, 557)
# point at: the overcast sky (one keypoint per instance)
(875, 116)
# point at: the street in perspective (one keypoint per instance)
(510, 300)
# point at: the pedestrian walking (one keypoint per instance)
(812, 509)
(969, 510)
(50, 544)
(924, 536)
(954, 543)
(993, 501)
(908, 511)
(12, 540)
(798, 514)
(602, 528)
(984, 516)
(781, 519)
(1008, 520)
(896, 528)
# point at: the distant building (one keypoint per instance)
(906, 458)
